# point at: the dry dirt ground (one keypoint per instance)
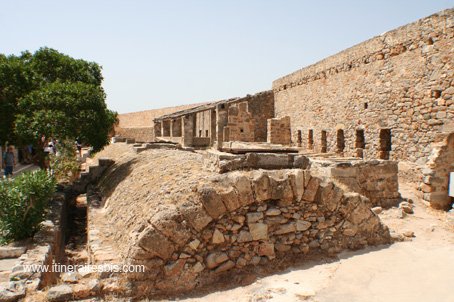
(418, 270)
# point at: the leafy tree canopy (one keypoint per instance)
(49, 93)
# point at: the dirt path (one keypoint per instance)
(417, 270)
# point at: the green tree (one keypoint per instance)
(66, 111)
(16, 80)
(52, 94)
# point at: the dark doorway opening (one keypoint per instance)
(310, 139)
(360, 143)
(340, 141)
(385, 143)
(299, 138)
(324, 142)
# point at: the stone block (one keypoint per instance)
(225, 267)
(261, 184)
(215, 259)
(267, 249)
(311, 190)
(344, 172)
(11, 252)
(175, 268)
(60, 293)
(259, 231)
(286, 228)
(273, 161)
(166, 221)
(302, 225)
(301, 162)
(296, 178)
(218, 237)
(244, 236)
(230, 199)
(281, 190)
(155, 243)
(254, 217)
(243, 186)
(212, 202)
(273, 212)
(197, 217)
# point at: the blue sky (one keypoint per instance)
(164, 53)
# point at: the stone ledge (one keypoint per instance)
(225, 162)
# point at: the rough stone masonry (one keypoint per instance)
(192, 227)
(390, 97)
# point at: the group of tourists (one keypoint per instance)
(29, 155)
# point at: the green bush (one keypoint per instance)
(23, 204)
(65, 165)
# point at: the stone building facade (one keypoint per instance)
(388, 97)
(211, 124)
(139, 125)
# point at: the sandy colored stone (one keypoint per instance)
(259, 231)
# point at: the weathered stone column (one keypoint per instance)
(187, 129)
(157, 129)
(221, 122)
(171, 128)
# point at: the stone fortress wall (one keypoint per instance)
(140, 126)
(390, 96)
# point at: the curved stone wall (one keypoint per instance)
(241, 219)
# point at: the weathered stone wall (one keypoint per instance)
(261, 107)
(240, 124)
(142, 134)
(203, 124)
(401, 80)
(435, 181)
(140, 125)
(191, 227)
(375, 179)
(279, 131)
(244, 219)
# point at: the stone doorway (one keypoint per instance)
(360, 143)
(340, 141)
(310, 139)
(385, 143)
(324, 142)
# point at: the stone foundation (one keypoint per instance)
(190, 233)
(246, 219)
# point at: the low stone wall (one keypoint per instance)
(139, 134)
(246, 219)
(375, 179)
(279, 131)
(225, 162)
(435, 180)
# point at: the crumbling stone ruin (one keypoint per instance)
(205, 195)
(390, 97)
(193, 227)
